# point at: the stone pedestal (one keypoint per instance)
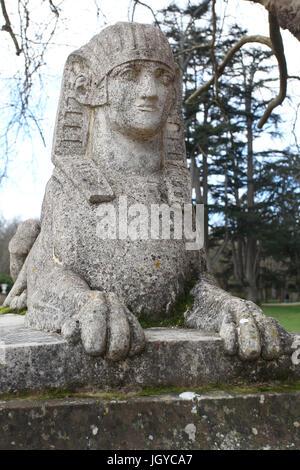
(32, 360)
(211, 421)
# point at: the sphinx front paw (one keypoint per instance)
(246, 331)
(242, 325)
(106, 328)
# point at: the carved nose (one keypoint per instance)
(148, 88)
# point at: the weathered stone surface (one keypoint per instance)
(119, 133)
(242, 325)
(118, 144)
(35, 360)
(21, 244)
(215, 421)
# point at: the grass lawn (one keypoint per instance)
(4, 310)
(287, 315)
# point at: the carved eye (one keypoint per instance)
(164, 77)
(130, 74)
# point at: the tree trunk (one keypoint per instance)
(251, 243)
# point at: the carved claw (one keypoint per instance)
(242, 325)
(247, 331)
(106, 328)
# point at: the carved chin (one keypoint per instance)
(149, 130)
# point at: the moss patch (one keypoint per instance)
(230, 388)
(176, 316)
(4, 310)
(279, 387)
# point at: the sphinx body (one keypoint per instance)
(119, 133)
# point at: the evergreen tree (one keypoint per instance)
(221, 134)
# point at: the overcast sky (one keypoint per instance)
(22, 192)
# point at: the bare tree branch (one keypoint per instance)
(22, 95)
(7, 27)
(246, 39)
(100, 12)
(275, 44)
(53, 8)
(191, 49)
(294, 127)
(138, 2)
(278, 50)
(214, 61)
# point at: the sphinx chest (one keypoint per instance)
(112, 246)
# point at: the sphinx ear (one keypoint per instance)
(90, 92)
(82, 88)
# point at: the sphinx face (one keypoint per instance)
(140, 96)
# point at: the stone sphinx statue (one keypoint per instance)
(119, 134)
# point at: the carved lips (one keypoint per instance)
(147, 108)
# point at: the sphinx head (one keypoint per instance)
(133, 78)
(128, 73)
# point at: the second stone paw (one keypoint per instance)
(106, 328)
(247, 331)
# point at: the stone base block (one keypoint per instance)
(166, 422)
(32, 360)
